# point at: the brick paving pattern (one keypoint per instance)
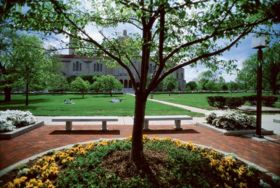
(265, 154)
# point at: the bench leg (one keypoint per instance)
(68, 125)
(178, 125)
(104, 125)
(146, 125)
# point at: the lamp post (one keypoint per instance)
(259, 43)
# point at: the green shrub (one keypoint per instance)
(269, 100)
(234, 102)
(251, 99)
(222, 102)
(217, 101)
(266, 100)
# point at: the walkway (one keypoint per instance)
(265, 154)
(193, 109)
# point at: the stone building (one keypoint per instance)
(75, 65)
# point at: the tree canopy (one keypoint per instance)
(80, 85)
(271, 70)
(170, 33)
(24, 63)
(170, 83)
(107, 83)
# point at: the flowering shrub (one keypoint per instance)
(6, 125)
(231, 120)
(11, 119)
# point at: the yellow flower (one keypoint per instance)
(167, 139)
(178, 143)
(221, 168)
(213, 162)
(243, 185)
(229, 160)
(155, 138)
(34, 183)
(191, 146)
(89, 146)
(9, 185)
(145, 137)
(103, 143)
(48, 184)
(241, 170)
(66, 160)
(19, 181)
(250, 173)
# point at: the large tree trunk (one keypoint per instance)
(26, 93)
(7, 93)
(137, 154)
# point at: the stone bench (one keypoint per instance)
(69, 121)
(176, 118)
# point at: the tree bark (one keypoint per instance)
(7, 93)
(137, 155)
(26, 94)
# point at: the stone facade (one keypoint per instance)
(74, 65)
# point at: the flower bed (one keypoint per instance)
(168, 163)
(231, 120)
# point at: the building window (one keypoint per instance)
(77, 66)
(94, 67)
(97, 67)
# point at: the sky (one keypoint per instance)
(239, 53)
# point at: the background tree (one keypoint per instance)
(191, 85)
(80, 85)
(271, 70)
(8, 76)
(272, 67)
(177, 33)
(58, 83)
(170, 83)
(30, 62)
(206, 80)
(107, 83)
(24, 64)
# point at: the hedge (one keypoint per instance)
(266, 100)
(222, 102)
(235, 102)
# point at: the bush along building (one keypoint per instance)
(76, 65)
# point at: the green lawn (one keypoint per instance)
(199, 100)
(91, 105)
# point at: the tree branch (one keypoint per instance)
(204, 56)
(59, 10)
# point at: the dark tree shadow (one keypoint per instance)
(22, 101)
(86, 132)
(168, 131)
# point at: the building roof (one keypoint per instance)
(72, 56)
